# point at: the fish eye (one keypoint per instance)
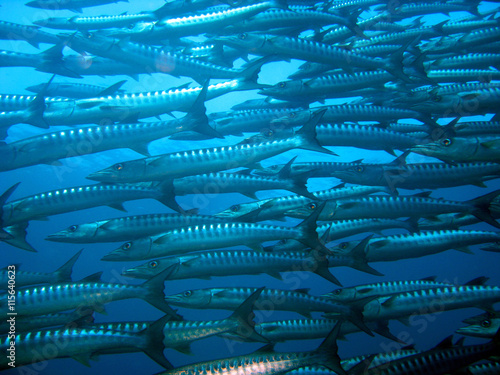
(282, 85)
(360, 169)
(292, 115)
(130, 26)
(343, 245)
(284, 241)
(486, 323)
(312, 206)
(153, 264)
(126, 245)
(446, 142)
(337, 291)
(187, 293)
(118, 166)
(73, 228)
(436, 98)
(235, 208)
(242, 36)
(269, 133)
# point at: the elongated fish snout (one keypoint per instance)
(115, 255)
(56, 237)
(102, 176)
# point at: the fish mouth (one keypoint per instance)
(172, 299)
(57, 237)
(116, 255)
(102, 176)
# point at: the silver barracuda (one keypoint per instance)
(462, 149)
(420, 205)
(75, 90)
(269, 362)
(80, 317)
(205, 264)
(443, 358)
(52, 298)
(55, 202)
(24, 278)
(271, 300)
(399, 174)
(129, 227)
(188, 163)
(195, 24)
(81, 344)
(161, 60)
(414, 245)
(73, 5)
(276, 208)
(31, 34)
(48, 148)
(214, 236)
(315, 169)
(485, 325)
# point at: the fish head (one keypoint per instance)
(493, 247)
(199, 298)
(244, 41)
(269, 135)
(437, 103)
(131, 250)
(438, 45)
(54, 22)
(151, 268)
(284, 89)
(448, 149)
(344, 248)
(341, 295)
(130, 171)
(237, 210)
(308, 69)
(140, 28)
(74, 233)
(477, 319)
(485, 328)
(290, 119)
(359, 174)
(304, 210)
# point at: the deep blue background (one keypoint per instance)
(450, 265)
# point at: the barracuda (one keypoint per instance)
(398, 174)
(409, 10)
(269, 362)
(315, 168)
(384, 289)
(444, 358)
(17, 102)
(403, 206)
(420, 302)
(97, 22)
(243, 183)
(187, 163)
(415, 245)
(205, 264)
(276, 208)
(65, 296)
(270, 300)
(81, 344)
(31, 34)
(160, 60)
(470, 60)
(73, 5)
(24, 278)
(462, 75)
(129, 227)
(484, 325)
(303, 49)
(196, 24)
(328, 86)
(48, 148)
(214, 236)
(343, 228)
(75, 90)
(462, 149)
(80, 317)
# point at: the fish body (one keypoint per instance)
(73, 5)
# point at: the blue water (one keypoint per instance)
(428, 330)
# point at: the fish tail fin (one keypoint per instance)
(309, 235)
(166, 187)
(298, 182)
(355, 314)
(320, 267)
(64, 272)
(308, 134)
(198, 115)
(328, 349)
(359, 261)
(244, 315)
(250, 74)
(18, 237)
(155, 346)
(482, 207)
(154, 292)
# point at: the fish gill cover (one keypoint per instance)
(193, 181)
